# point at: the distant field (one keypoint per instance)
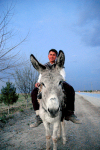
(19, 105)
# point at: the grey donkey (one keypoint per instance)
(52, 101)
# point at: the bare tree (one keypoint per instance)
(25, 80)
(8, 55)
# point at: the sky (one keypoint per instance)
(69, 25)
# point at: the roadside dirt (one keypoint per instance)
(17, 134)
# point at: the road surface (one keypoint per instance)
(17, 135)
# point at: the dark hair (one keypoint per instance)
(53, 50)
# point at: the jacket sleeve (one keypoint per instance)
(39, 78)
(62, 72)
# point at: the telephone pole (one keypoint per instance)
(91, 87)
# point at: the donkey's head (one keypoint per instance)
(51, 80)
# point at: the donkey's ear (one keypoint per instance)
(39, 67)
(61, 59)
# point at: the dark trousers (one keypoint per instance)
(69, 100)
(34, 94)
(70, 96)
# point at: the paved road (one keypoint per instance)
(17, 135)
(94, 100)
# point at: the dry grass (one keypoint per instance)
(18, 106)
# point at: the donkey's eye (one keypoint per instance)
(43, 84)
(60, 83)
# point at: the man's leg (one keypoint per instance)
(70, 100)
(35, 103)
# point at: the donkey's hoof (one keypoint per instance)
(48, 148)
(64, 141)
(59, 137)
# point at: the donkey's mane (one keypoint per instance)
(51, 75)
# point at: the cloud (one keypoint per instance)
(88, 23)
(89, 11)
(92, 36)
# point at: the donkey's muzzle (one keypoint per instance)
(53, 112)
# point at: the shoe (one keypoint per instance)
(37, 123)
(73, 118)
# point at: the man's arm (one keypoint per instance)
(38, 82)
(62, 72)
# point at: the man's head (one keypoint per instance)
(52, 55)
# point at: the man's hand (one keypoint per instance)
(37, 85)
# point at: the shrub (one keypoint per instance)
(21, 110)
(8, 94)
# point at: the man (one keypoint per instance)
(68, 90)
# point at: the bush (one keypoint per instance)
(90, 91)
(8, 94)
(4, 118)
(21, 110)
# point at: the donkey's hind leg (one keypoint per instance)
(59, 131)
(63, 132)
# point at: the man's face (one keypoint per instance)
(52, 57)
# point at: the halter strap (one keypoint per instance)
(44, 109)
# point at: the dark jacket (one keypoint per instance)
(49, 66)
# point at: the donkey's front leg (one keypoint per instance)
(54, 136)
(48, 136)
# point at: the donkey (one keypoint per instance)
(52, 101)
